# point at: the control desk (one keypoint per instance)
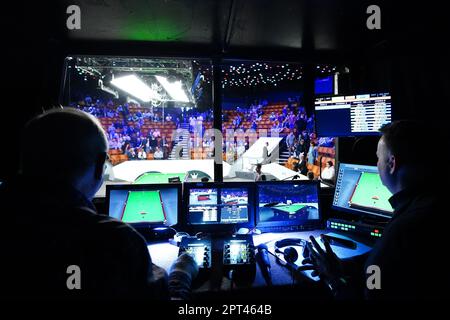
(214, 267)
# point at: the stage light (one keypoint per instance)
(173, 89)
(136, 87)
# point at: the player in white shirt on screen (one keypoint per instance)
(328, 173)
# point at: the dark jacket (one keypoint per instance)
(301, 167)
(47, 227)
(413, 250)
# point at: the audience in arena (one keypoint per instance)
(132, 129)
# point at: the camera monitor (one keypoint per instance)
(155, 204)
(288, 205)
(359, 190)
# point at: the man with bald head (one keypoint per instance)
(50, 229)
(74, 154)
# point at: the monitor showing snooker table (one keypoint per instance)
(359, 190)
(140, 204)
(288, 205)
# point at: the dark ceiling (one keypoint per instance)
(227, 24)
(230, 25)
(253, 28)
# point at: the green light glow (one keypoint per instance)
(155, 30)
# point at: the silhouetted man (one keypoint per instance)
(53, 243)
(409, 253)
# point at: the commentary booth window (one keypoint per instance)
(268, 129)
(154, 111)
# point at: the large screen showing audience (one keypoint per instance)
(155, 109)
(265, 120)
(150, 109)
(143, 104)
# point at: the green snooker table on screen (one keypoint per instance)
(289, 208)
(370, 193)
(156, 177)
(143, 206)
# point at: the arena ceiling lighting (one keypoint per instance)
(174, 89)
(133, 85)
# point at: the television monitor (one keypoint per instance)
(288, 205)
(324, 85)
(359, 190)
(213, 206)
(356, 115)
(144, 205)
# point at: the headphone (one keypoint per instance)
(290, 253)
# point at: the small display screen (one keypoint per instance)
(343, 116)
(145, 204)
(236, 252)
(281, 204)
(218, 205)
(197, 251)
(359, 190)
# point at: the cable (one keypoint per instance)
(198, 234)
(171, 228)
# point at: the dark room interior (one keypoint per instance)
(253, 151)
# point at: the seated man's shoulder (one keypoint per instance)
(425, 216)
(102, 226)
(426, 207)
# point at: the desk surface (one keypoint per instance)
(163, 255)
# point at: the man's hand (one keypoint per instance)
(185, 263)
(326, 264)
(182, 272)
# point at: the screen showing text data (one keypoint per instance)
(218, 205)
(352, 115)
